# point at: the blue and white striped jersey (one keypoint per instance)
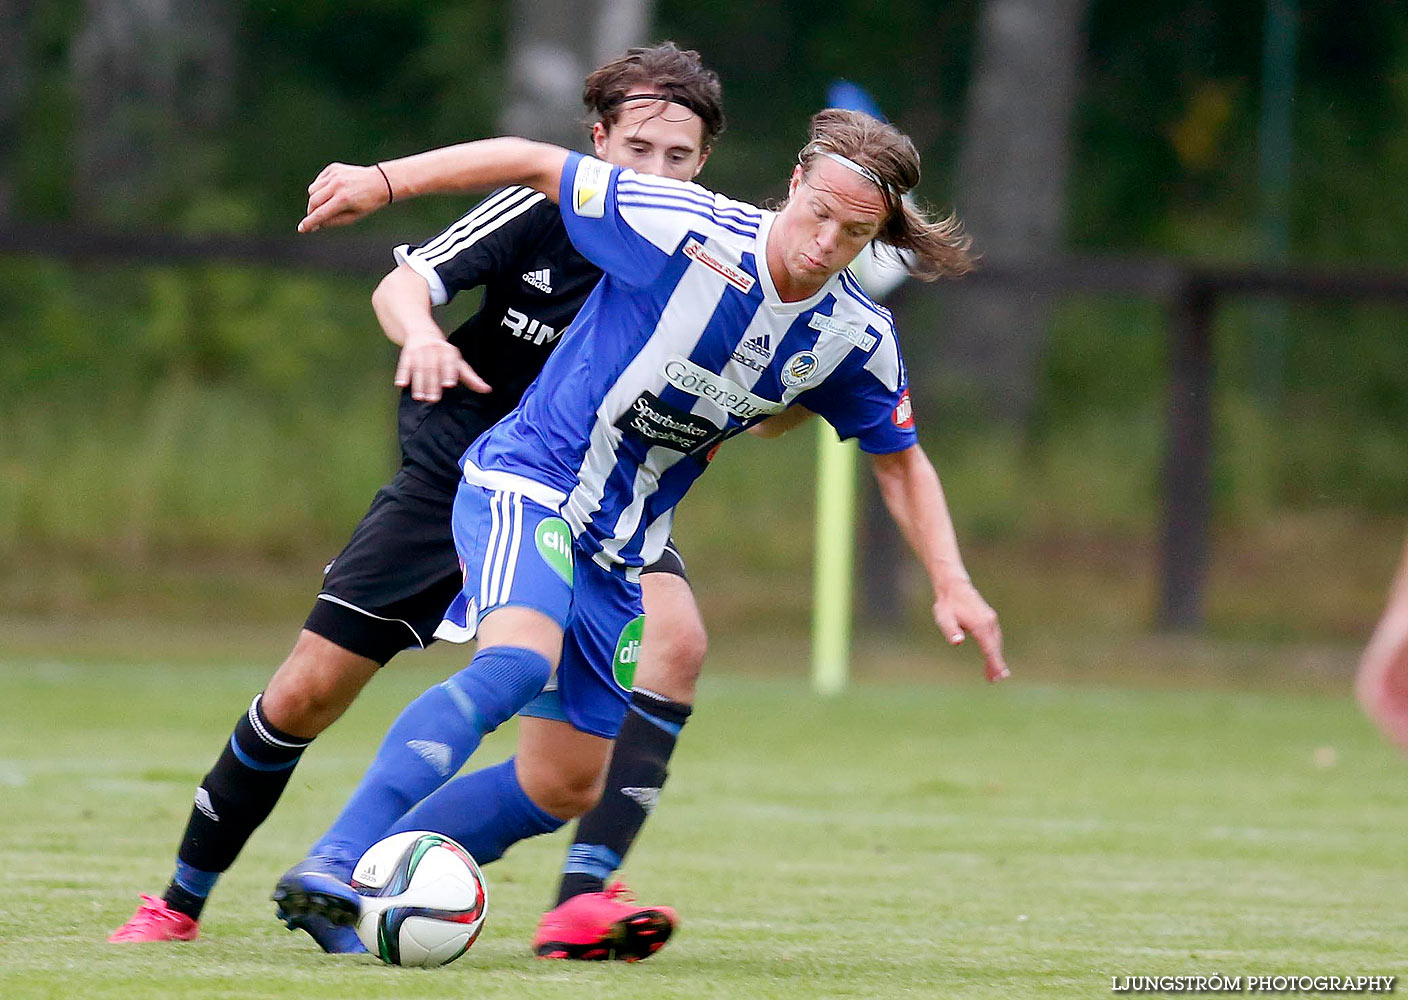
(683, 344)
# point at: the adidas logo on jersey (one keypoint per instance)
(761, 345)
(755, 353)
(540, 279)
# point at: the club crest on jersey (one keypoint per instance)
(725, 393)
(589, 188)
(735, 276)
(904, 412)
(863, 339)
(800, 369)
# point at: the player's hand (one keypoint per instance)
(342, 194)
(431, 364)
(960, 610)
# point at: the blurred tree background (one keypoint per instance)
(198, 440)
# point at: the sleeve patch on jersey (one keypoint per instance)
(903, 416)
(863, 339)
(589, 188)
(735, 276)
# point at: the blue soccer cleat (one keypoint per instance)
(312, 897)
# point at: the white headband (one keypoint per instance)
(852, 165)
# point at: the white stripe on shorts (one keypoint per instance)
(486, 568)
(500, 557)
(512, 567)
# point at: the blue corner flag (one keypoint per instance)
(852, 97)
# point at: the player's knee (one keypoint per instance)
(567, 796)
(672, 668)
(314, 686)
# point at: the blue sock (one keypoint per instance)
(487, 812)
(431, 740)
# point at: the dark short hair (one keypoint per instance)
(679, 74)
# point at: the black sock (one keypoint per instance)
(633, 782)
(231, 802)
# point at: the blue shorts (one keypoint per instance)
(517, 553)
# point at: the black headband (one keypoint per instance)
(680, 99)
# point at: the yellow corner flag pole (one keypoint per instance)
(835, 557)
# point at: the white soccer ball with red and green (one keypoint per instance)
(427, 899)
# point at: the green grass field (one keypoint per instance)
(937, 839)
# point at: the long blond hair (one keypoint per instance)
(938, 248)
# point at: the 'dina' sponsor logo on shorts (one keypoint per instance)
(623, 664)
(555, 546)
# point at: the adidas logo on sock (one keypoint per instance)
(437, 755)
(646, 798)
(204, 804)
(540, 279)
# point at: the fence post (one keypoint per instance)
(1187, 485)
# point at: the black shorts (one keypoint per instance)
(388, 589)
(670, 561)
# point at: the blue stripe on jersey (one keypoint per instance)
(612, 423)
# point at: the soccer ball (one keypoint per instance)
(427, 899)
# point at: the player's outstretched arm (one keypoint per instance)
(342, 193)
(780, 423)
(915, 499)
(1382, 681)
(429, 363)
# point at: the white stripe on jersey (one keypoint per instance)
(486, 211)
(490, 214)
(511, 482)
(884, 364)
(481, 229)
(708, 307)
(657, 536)
(685, 316)
(645, 485)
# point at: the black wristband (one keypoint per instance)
(390, 195)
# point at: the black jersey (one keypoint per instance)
(514, 244)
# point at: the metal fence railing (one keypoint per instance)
(1190, 293)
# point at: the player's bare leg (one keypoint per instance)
(594, 920)
(309, 692)
(1382, 681)
(315, 685)
(561, 768)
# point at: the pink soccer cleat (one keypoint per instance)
(155, 921)
(597, 926)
